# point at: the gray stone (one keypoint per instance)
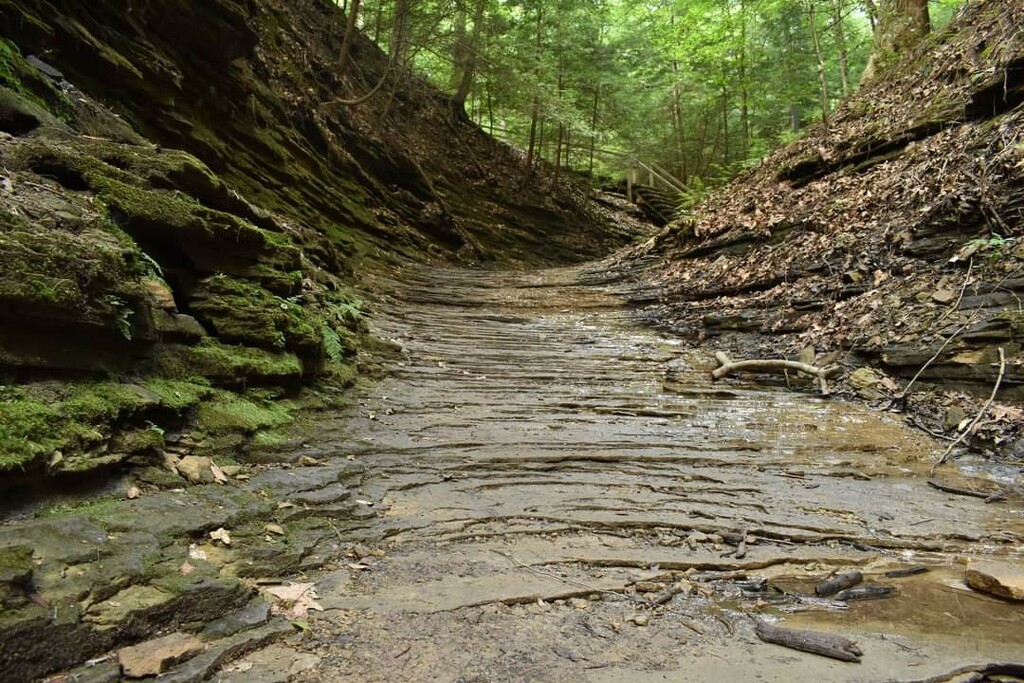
(273, 664)
(15, 574)
(104, 672)
(219, 653)
(286, 483)
(255, 613)
(329, 494)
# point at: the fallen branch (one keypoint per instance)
(991, 497)
(838, 583)
(824, 644)
(727, 366)
(902, 396)
(977, 418)
(594, 589)
(983, 671)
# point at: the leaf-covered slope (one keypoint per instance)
(251, 89)
(885, 233)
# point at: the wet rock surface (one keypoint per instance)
(541, 490)
(566, 496)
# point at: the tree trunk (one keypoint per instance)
(350, 34)
(535, 109)
(744, 93)
(561, 131)
(465, 54)
(901, 25)
(871, 9)
(490, 107)
(839, 32)
(401, 29)
(593, 128)
(812, 21)
(725, 126)
(531, 150)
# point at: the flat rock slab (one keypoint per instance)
(156, 656)
(223, 652)
(1002, 579)
(255, 613)
(273, 664)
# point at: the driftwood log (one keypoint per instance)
(824, 644)
(838, 583)
(727, 366)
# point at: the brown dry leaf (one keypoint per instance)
(294, 601)
(218, 474)
(1009, 413)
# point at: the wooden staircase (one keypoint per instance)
(659, 205)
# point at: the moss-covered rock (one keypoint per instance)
(15, 575)
(24, 80)
(228, 413)
(69, 426)
(226, 364)
(245, 312)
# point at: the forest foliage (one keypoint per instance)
(700, 88)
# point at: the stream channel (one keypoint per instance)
(542, 467)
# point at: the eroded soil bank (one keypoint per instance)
(510, 503)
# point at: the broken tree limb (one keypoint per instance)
(989, 496)
(977, 418)
(838, 583)
(727, 366)
(982, 670)
(824, 644)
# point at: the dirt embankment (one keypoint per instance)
(185, 211)
(892, 237)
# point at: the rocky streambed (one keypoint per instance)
(541, 490)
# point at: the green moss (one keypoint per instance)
(102, 401)
(80, 271)
(180, 394)
(37, 420)
(10, 55)
(225, 363)
(118, 174)
(26, 431)
(229, 412)
(243, 311)
(269, 439)
(92, 508)
(22, 78)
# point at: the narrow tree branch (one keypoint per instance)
(977, 418)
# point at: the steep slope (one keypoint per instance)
(185, 209)
(891, 236)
